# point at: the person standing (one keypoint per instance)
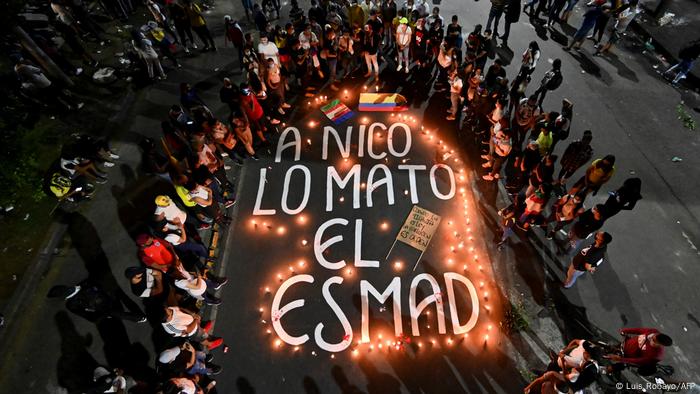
(564, 211)
(526, 114)
(199, 25)
(551, 81)
(403, 42)
(502, 147)
(182, 24)
(495, 13)
(456, 85)
(577, 154)
(454, 32)
(600, 171)
(624, 198)
(370, 45)
(588, 222)
(234, 34)
(623, 17)
(530, 58)
(389, 11)
(596, 8)
(346, 52)
(588, 259)
(512, 16)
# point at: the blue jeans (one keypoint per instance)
(494, 13)
(683, 68)
(200, 366)
(571, 275)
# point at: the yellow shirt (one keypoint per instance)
(185, 196)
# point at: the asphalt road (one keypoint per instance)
(648, 280)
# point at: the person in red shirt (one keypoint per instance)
(253, 111)
(157, 253)
(642, 347)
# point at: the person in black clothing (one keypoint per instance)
(512, 16)
(435, 36)
(551, 81)
(454, 33)
(317, 13)
(577, 154)
(91, 302)
(259, 18)
(389, 12)
(587, 223)
(494, 72)
(587, 259)
(625, 197)
(229, 95)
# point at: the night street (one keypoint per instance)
(362, 256)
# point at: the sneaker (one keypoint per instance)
(486, 165)
(549, 235)
(450, 117)
(275, 121)
(209, 358)
(281, 111)
(227, 168)
(101, 180)
(215, 342)
(141, 320)
(206, 327)
(80, 105)
(286, 106)
(238, 162)
(399, 68)
(487, 177)
(308, 94)
(486, 157)
(204, 226)
(213, 369)
(406, 70)
(224, 154)
(187, 50)
(211, 300)
(78, 71)
(113, 156)
(108, 164)
(218, 282)
(230, 203)
(255, 157)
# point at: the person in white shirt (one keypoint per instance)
(403, 42)
(444, 60)
(456, 85)
(168, 210)
(178, 322)
(268, 50)
(196, 285)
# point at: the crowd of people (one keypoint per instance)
(330, 44)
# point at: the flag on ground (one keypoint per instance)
(386, 102)
(337, 111)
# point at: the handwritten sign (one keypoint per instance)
(419, 227)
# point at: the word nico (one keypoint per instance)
(393, 290)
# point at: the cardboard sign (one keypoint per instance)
(419, 227)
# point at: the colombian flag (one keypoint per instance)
(388, 102)
(337, 111)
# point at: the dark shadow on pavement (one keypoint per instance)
(310, 386)
(244, 386)
(75, 365)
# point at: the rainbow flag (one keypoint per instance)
(337, 111)
(388, 102)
